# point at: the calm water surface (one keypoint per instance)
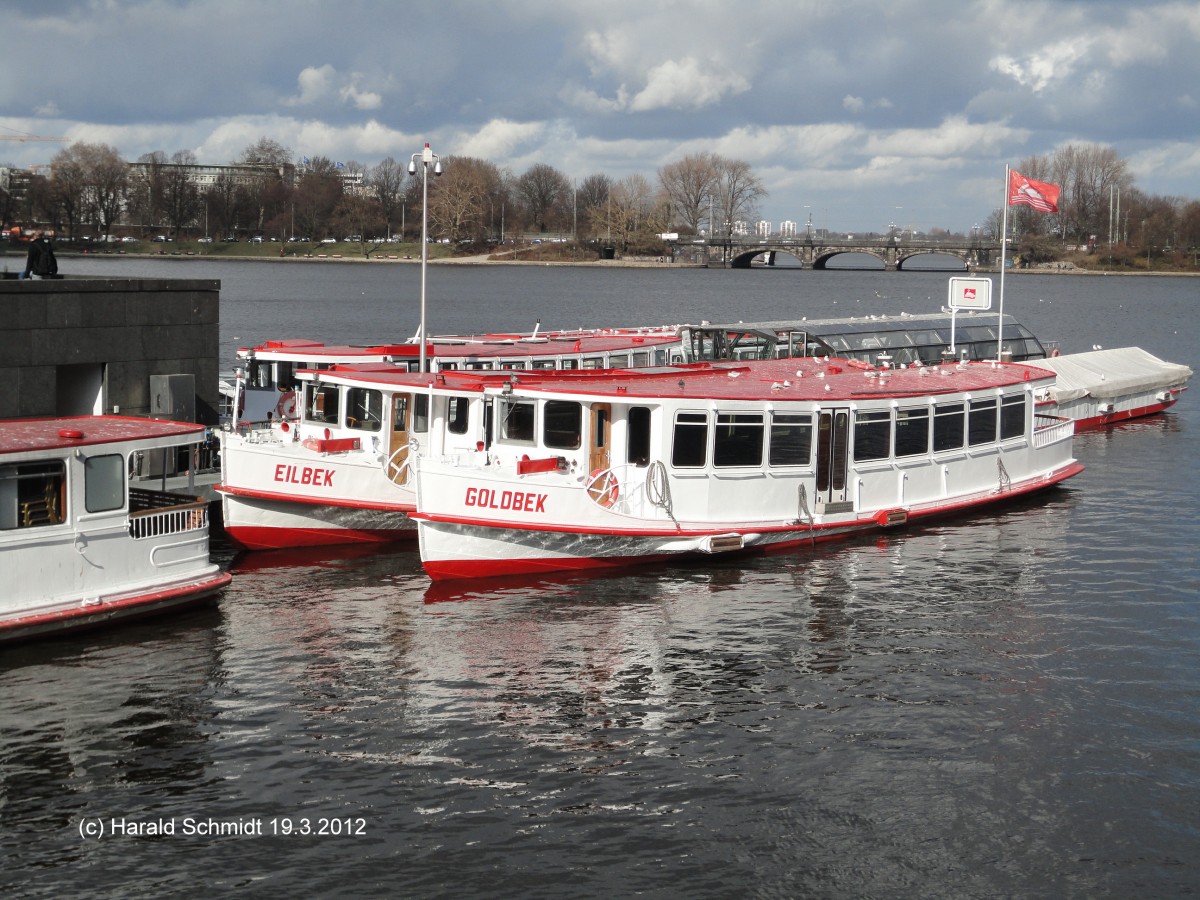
(1002, 705)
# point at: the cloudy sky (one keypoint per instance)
(858, 113)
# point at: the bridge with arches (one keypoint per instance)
(815, 253)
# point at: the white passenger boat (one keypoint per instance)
(340, 472)
(627, 467)
(83, 541)
(316, 459)
(265, 380)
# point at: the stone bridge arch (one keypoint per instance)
(893, 254)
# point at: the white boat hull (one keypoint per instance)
(261, 523)
(458, 547)
(280, 494)
(83, 612)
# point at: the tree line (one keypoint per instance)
(1100, 208)
(90, 187)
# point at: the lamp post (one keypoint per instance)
(426, 157)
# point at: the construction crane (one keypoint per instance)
(22, 136)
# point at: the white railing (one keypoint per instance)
(1049, 430)
(165, 519)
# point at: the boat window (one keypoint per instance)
(514, 364)
(912, 431)
(259, 374)
(543, 364)
(618, 361)
(562, 424)
(103, 482)
(981, 421)
(400, 412)
(451, 366)
(738, 440)
(1022, 349)
(872, 434)
(516, 420)
(593, 362)
(32, 494)
(1012, 416)
(948, 427)
(641, 360)
(457, 414)
(791, 440)
(689, 449)
(285, 374)
(638, 430)
(364, 409)
(420, 417)
(321, 402)
(570, 364)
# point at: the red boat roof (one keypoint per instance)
(25, 435)
(785, 379)
(484, 345)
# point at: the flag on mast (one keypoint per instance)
(1038, 194)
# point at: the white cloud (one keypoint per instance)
(1052, 63)
(315, 83)
(360, 99)
(687, 84)
(498, 139)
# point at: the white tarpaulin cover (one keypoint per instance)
(1111, 373)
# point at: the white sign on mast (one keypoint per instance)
(967, 293)
(970, 293)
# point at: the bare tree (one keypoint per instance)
(633, 213)
(360, 216)
(544, 190)
(69, 183)
(593, 195)
(261, 193)
(738, 191)
(1087, 176)
(317, 196)
(180, 195)
(144, 198)
(689, 184)
(220, 203)
(110, 180)
(461, 202)
(386, 184)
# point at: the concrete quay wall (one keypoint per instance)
(75, 346)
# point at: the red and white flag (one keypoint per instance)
(1037, 194)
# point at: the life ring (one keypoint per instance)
(286, 407)
(603, 488)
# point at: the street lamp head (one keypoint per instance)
(412, 167)
(437, 167)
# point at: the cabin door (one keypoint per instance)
(398, 442)
(598, 455)
(833, 444)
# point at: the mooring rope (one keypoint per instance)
(658, 490)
